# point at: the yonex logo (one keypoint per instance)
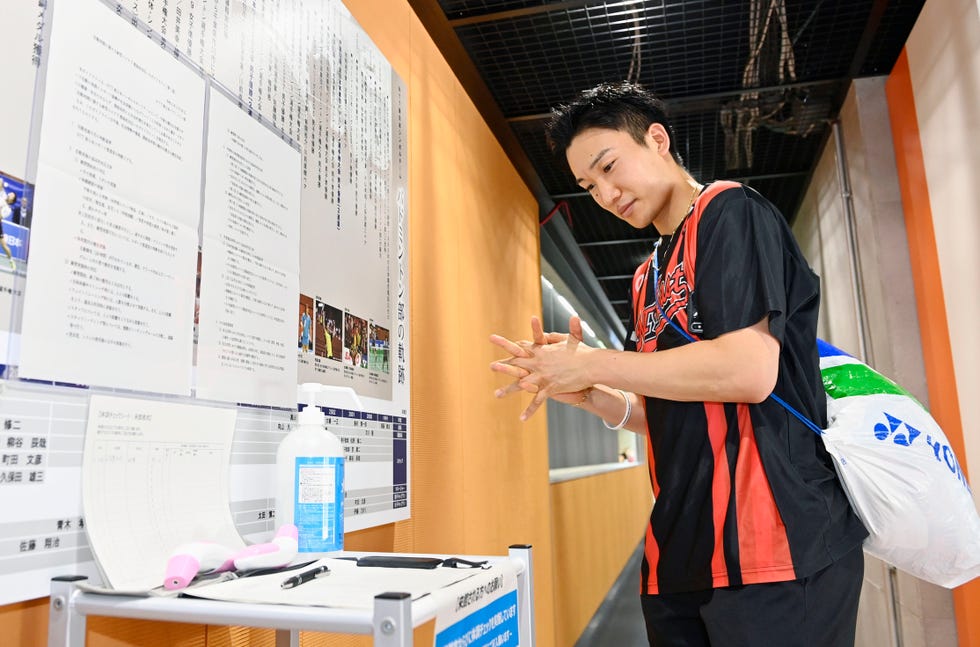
(904, 434)
(901, 438)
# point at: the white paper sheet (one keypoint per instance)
(285, 60)
(250, 262)
(110, 291)
(349, 586)
(19, 21)
(42, 531)
(154, 476)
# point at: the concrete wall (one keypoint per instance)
(893, 338)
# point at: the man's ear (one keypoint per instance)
(658, 138)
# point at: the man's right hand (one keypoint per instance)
(526, 349)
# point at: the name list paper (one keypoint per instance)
(348, 586)
(154, 476)
(110, 292)
(249, 262)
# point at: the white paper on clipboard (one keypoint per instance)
(154, 476)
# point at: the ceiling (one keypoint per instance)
(751, 87)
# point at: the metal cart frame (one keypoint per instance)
(391, 621)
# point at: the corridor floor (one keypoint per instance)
(619, 619)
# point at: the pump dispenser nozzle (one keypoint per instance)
(311, 414)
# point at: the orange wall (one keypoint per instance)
(933, 94)
(936, 348)
(598, 522)
(479, 476)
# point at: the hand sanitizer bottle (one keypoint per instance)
(310, 480)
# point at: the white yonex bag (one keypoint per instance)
(895, 463)
(900, 474)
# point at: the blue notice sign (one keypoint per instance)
(495, 625)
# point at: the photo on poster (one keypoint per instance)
(358, 177)
(16, 197)
(197, 304)
(378, 353)
(355, 341)
(305, 324)
(328, 343)
(15, 206)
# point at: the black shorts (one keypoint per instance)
(815, 611)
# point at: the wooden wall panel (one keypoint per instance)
(118, 632)
(479, 475)
(599, 521)
(25, 623)
(236, 636)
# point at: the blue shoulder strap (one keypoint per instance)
(823, 346)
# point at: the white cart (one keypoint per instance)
(391, 621)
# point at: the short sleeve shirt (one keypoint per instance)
(744, 493)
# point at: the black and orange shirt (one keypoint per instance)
(744, 493)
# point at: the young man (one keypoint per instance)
(751, 540)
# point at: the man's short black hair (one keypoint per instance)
(617, 106)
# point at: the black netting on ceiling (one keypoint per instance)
(625, 314)
(620, 260)
(618, 290)
(787, 142)
(552, 170)
(534, 62)
(755, 110)
(591, 223)
(825, 36)
(784, 192)
(679, 49)
(896, 23)
(474, 8)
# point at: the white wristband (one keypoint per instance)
(626, 418)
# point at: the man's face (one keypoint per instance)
(630, 180)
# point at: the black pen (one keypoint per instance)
(305, 577)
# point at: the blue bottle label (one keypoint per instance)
(319, 507)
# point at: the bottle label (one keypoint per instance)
(319, 497)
